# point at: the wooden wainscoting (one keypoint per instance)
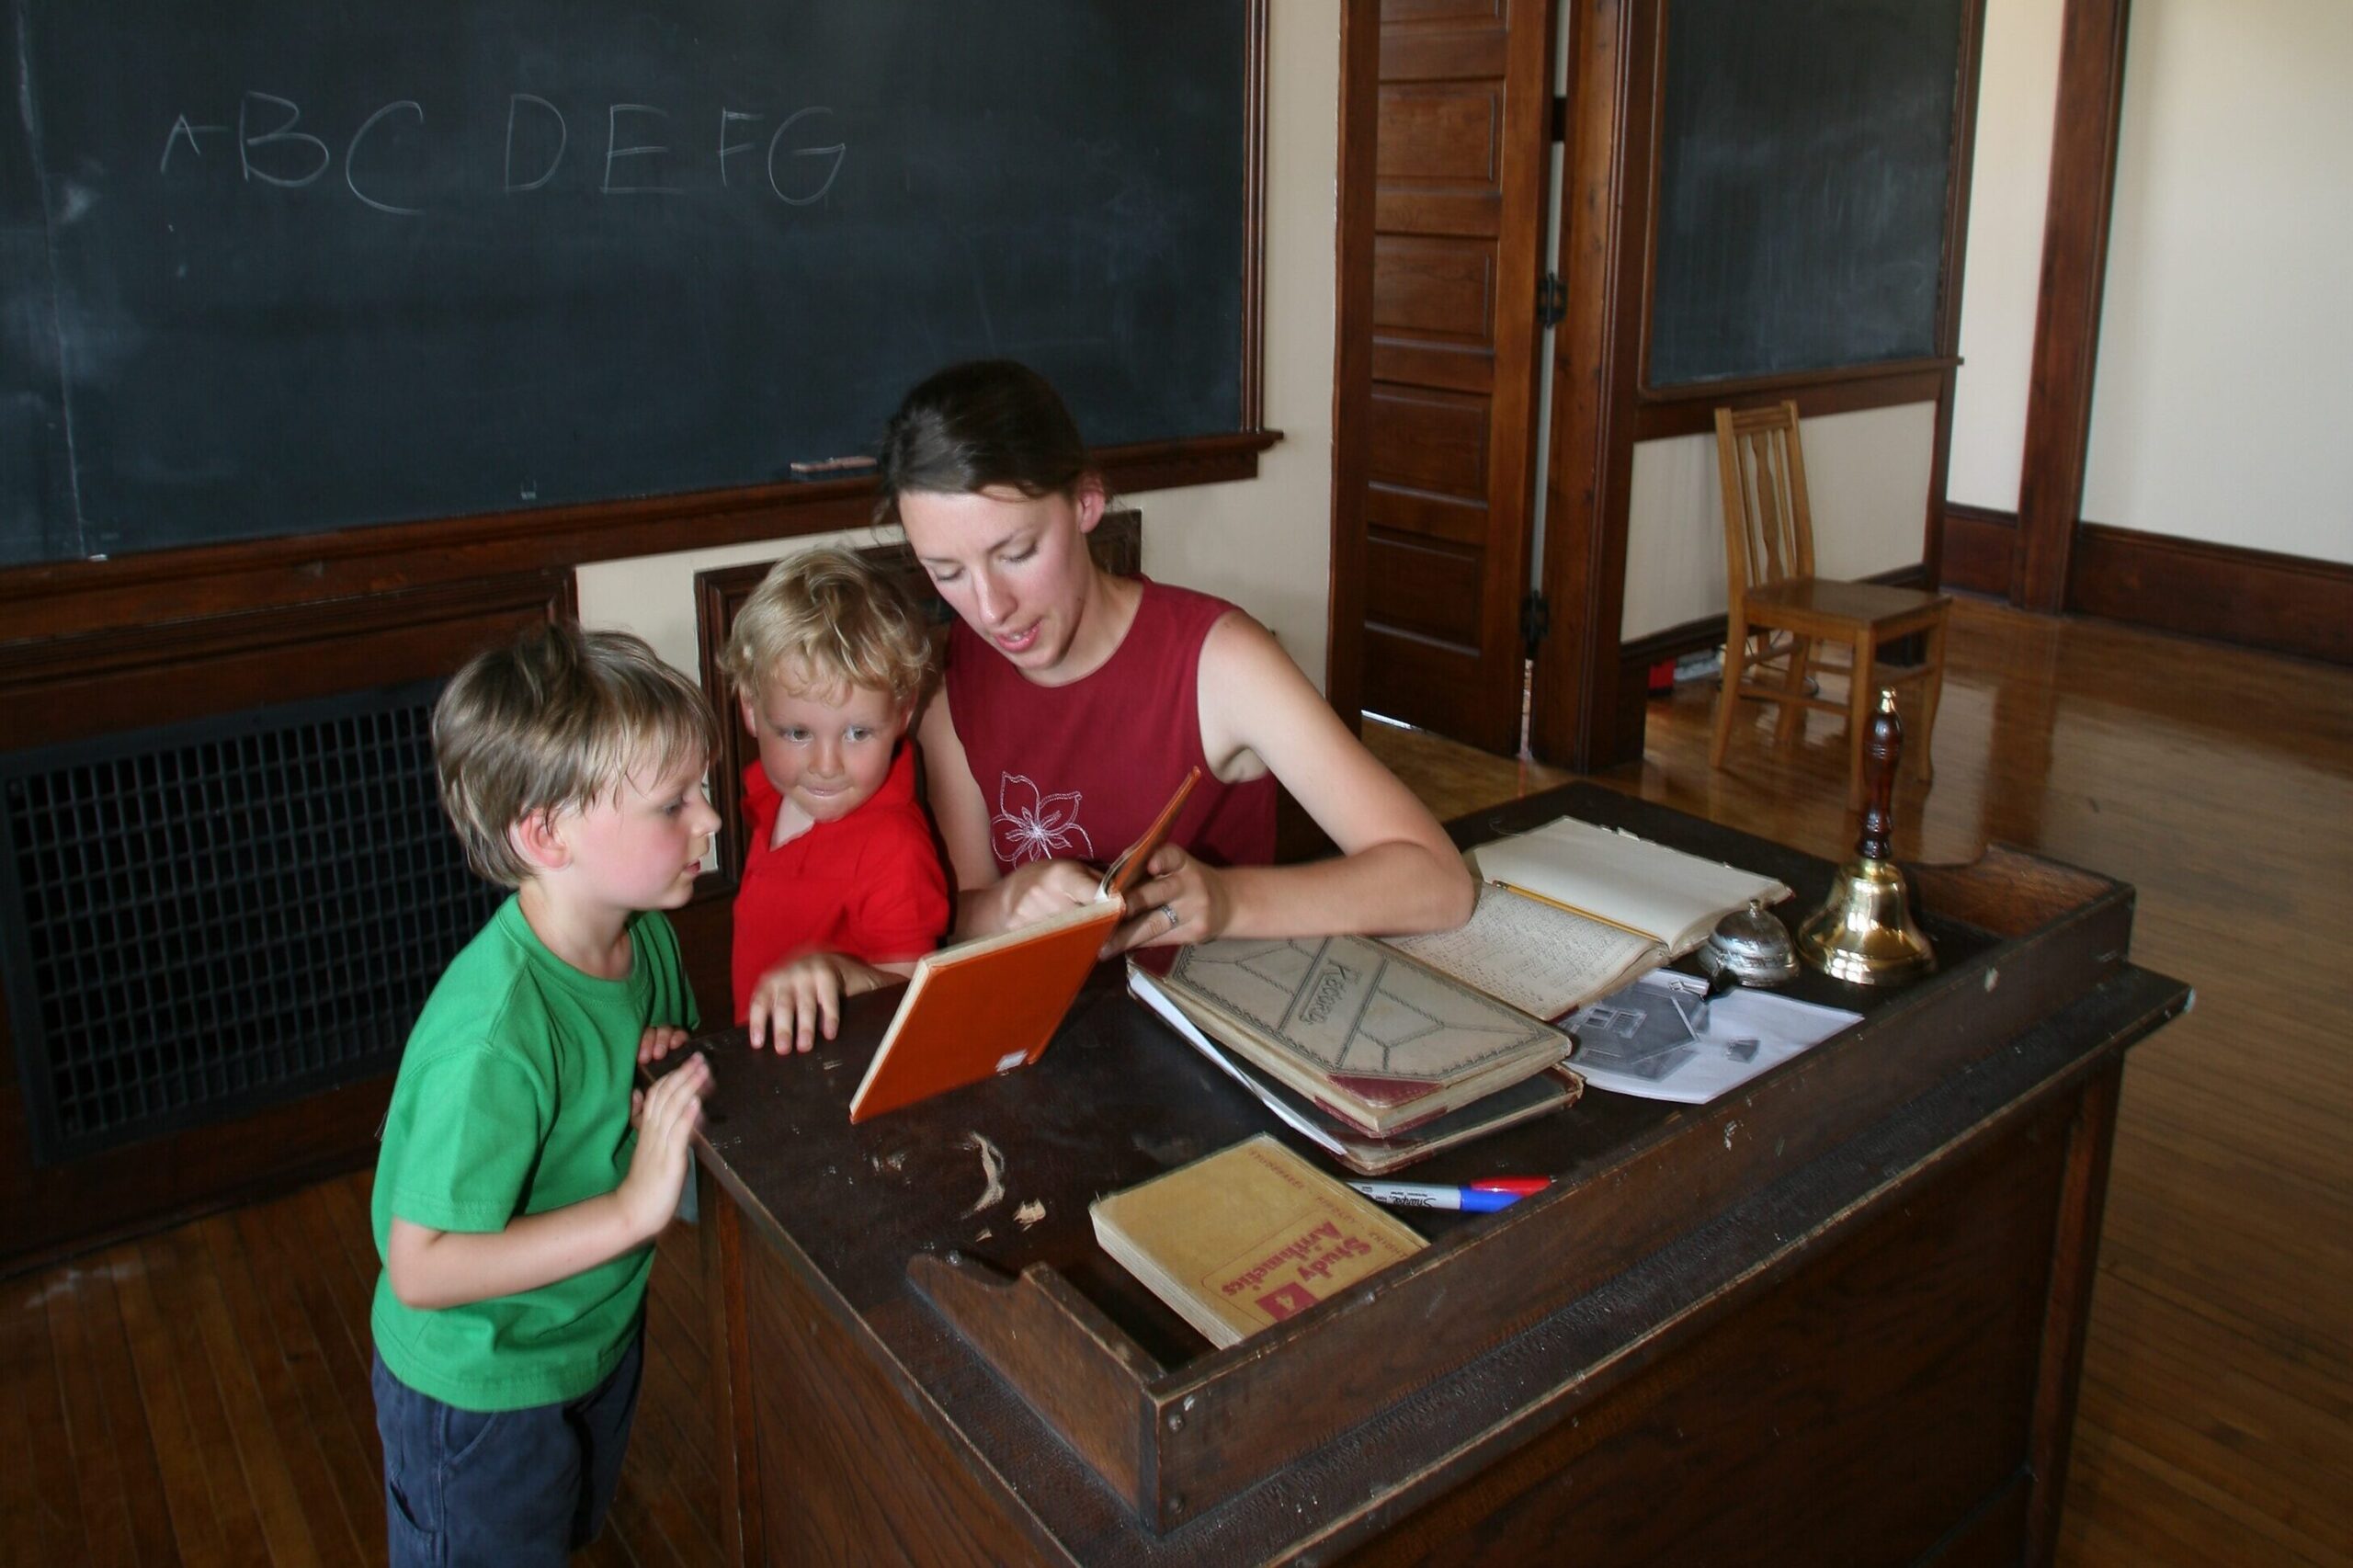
(2227, 593)
(109, 679)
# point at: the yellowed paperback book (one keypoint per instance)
(1247, 1236)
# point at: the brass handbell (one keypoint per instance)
(1864, 931)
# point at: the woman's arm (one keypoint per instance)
(1396, 873)
(985, 902)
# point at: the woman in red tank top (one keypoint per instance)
(1075, 699)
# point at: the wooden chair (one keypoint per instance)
(1768, 547)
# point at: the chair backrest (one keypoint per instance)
(1768, 528)
(1117, 545)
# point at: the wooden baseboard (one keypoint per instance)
(2255, 598)
(1981, 548)
(2284, 604)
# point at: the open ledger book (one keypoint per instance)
(1570, 912)
(990, 1006)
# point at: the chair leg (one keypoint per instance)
(1932, 687)
(1792, 708)
(1862, 698)
(1728, 693)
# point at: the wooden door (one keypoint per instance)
(1458, 218)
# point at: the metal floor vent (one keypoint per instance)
(206, 918)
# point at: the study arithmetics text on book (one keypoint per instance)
(1246, 1237)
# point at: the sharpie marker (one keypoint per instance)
(1518, 1186)
(1418, 1195)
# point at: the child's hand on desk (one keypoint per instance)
(1183, 901)
(794, 1002)
(666, 1115)
(658, 1041)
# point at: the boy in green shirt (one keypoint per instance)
(522, 1179)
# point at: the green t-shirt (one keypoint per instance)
(512, 1099)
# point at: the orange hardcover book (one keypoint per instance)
(988, 1006)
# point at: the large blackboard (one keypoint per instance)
(1804, 158)
(271, 268)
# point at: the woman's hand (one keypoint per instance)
(1037, 889)
(1183, 901)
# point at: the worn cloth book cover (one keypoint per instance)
(988, 1006)
(1246, 1237)
(1365, 1032)
(981, 1008)
(1671, 897)
(1555, 1089)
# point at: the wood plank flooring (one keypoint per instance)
(201, 1396)
(2216, 1420)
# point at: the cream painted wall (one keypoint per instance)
(2009, 186)
(2226, 331)
(1265, 543)
(1866, 484)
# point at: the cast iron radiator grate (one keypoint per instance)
(206, 918)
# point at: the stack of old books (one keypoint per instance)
(1375, 1058)
(1382, 1052)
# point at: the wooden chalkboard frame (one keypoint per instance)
(68, 598)
(1688, 408)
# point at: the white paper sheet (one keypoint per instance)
(1637, 1041)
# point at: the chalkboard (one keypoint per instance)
(269, 268)
(1805, 155)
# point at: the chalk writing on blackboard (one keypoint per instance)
(795, 162)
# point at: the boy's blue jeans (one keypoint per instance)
(512, 1489)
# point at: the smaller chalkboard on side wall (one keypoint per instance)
(1806, 158)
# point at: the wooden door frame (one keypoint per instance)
(1352, 354)
(2087, 125)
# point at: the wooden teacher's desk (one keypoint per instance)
(1835, 1317)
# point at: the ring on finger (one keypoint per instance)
(1168, 913)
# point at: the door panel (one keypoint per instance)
(1430, 440)
(1434, 287)
(1463, 120)
(1443, 602)
(1395, 515)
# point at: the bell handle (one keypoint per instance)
(1881, 747)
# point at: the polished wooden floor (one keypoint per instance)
(2216, 1421)
(202, 1395)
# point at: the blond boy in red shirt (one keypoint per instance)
(842, 888)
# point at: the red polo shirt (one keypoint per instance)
(868, 886)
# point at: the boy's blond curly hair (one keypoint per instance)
(824, 621)
(553, 721)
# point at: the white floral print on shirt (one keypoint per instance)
(1032, 826)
